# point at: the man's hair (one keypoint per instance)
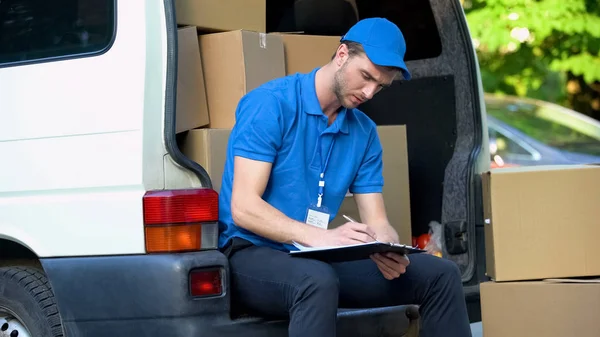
(356, 49)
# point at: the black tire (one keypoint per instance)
(27, 295)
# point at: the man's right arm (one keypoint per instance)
(256, 139)
(251, 212)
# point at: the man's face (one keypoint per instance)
(358, 80)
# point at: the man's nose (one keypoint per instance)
(370, 90)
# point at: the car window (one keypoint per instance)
(43, 30)
(502, 145)
(554, 128)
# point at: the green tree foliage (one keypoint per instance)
(535, 47)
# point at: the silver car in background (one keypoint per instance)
(525, 132)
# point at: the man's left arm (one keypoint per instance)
(367, 189)
(372, 212)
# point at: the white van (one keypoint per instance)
(107, 229)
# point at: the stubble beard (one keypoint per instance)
(339, 86)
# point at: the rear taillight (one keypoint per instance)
(206, 283)
(174, 219)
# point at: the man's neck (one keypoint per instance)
(327, 99)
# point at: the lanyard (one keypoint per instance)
(322, 175)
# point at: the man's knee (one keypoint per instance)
(449, 268)
(321, 281)
(434, 268)
(448, 273)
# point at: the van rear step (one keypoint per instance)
(396, 321)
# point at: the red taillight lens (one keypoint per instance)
(206, 283)
(172, 219)
(180, 206)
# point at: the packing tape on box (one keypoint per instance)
(262, 39)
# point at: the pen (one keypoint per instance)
(352, 220)
(348, 218)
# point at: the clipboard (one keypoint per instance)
(352, 252)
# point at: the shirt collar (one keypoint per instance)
(312, 106)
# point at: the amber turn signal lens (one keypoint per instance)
(174, 238)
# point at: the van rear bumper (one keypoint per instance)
(148, 295)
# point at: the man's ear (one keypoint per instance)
(341, 55)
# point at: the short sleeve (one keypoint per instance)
(257, 133)
(369, 178)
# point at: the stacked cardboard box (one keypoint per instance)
(541, 230)
(224, 52)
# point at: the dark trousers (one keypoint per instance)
(309, 292)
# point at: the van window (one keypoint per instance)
(44, 30)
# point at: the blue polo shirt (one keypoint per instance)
(281, 122)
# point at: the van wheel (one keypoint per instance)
(27, 306)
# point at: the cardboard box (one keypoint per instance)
(192, 108)
(303, 53)
(222, 15)
(540, 308)
(234, 63)
(542, 222)
(208, 147)
(396, 191)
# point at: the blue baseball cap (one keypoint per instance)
(382, 41)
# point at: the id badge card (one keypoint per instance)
(317, 216)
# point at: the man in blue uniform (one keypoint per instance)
(298, 145)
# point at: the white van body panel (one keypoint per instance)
(81, 141)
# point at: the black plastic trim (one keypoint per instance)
(72, 56)
(171, 99)
(135, 288)
(472, 196)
